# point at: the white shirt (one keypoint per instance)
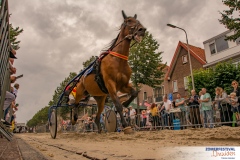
(167, 104)
(132, 113)
(15, 91)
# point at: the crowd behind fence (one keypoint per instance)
(174, 119)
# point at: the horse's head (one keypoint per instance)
(132, 28)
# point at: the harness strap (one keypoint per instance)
(118, 55)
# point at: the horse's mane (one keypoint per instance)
(112, 44)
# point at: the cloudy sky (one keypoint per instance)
(61, 34)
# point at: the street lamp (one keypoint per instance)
(190, 63)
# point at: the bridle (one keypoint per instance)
(133, 31)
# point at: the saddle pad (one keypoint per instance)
(89, 71)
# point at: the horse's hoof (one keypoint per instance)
(128, 130)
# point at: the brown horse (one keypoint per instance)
(115, 70)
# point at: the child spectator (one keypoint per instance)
(154, 112)
(149, 117)
(234, 101)
(144, 118)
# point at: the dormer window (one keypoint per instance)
(212, 48)
(184, 59)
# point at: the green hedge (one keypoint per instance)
(220, 75)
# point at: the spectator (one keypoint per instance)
(9, 98)
(200, 107)
(180, 104)
(149, 117)
(234, 101)
(154, 112)
(235, 108)
(126, 115)
(167, 105)
(206, 103)
(102, 124)
(15, 89)
(236, 89)
(221, 105)
(194, 108)
(144, 118)
(11, 61)
(13, 79)
(132, 114)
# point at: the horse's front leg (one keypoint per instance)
(100, 102)
(130, 90)
(111, 86)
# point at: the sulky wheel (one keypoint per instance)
(53, 123)
(111, 121)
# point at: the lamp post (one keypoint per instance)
(190, 63)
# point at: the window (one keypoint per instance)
(184, 59)
(175, 87)
(144, 95)
(221, 44)
(159, 91)
(212, 48)
(185, 79)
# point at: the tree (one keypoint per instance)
(42, 115)
(14, 32)
(146, 63)
(87, 62)
(221, 75)
(227, 18)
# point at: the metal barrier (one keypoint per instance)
(4, 53)
(175, 119)
(194, 116)
(4, 59)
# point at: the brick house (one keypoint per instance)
(147, 93)
(176, 78)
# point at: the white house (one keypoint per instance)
(219, 50)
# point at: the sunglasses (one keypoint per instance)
(233, 84)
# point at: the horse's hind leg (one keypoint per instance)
(100, 102)
(113, 94)
(130, 90)
(79, 94)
